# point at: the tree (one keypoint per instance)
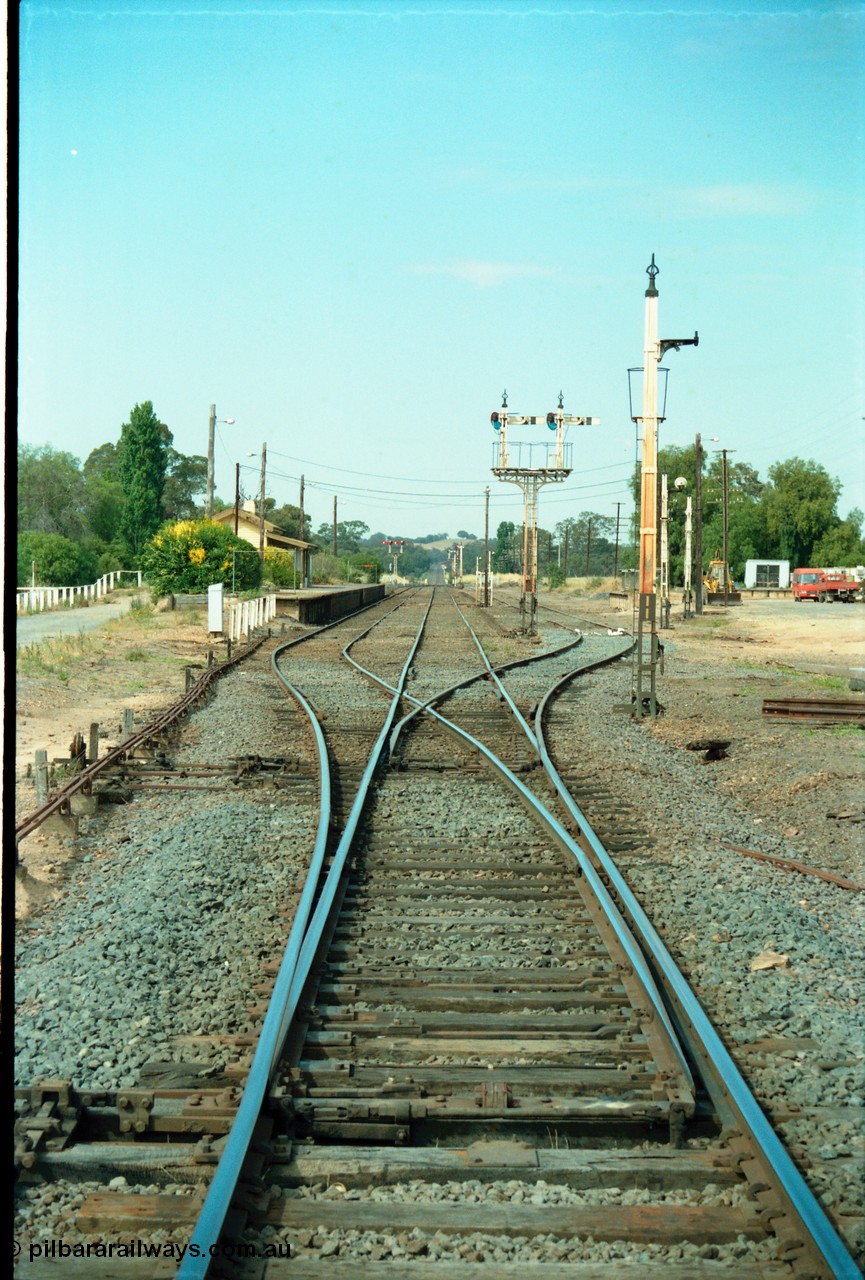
(59, 562)
(287, 518)
(50, 492)
(800, 508)
(185, 478)
(190, 555)
(506, 557)
(143, 462)
(414, 561)
(349, 535)
(843, 546)
(104, 462)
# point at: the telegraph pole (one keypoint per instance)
(698, 526)
(646, 662)
(665, 553)
(726, 569)
(334, 524)
(487, 547)
(686, 593)
(211, 432)
(588, 544)
(616, 555)
(236, 496)
(261, 503)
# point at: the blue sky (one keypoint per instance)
(350, 226)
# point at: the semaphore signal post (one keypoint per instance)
(647, 652)
(531, 465)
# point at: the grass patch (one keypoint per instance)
(52, 657)
(136, 655)
(141, 610)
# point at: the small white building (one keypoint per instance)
(767, 573)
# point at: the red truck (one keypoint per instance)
(822, 585)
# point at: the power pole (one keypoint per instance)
(211, 432)
(261, 503)
(665, 553)
(616, 554)
(686, 593)
(300, 537)
(236, 496)
(698, 526)
(588, 545)
(567, 532)
(334, 524)
(487, 547)
(726, 568)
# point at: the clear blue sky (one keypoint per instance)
(351, 225)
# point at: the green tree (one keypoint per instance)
(280, 567)
(349, 535)
(143, 462)
(185, 479)
(104, 462)
(506, 556)
(59, 562)
(843, 546)
(414, 561)
(287, 518)
(190, 555)
(800, 508)
(50, 492)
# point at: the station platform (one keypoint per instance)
(314, 606)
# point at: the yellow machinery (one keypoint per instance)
(718, 582)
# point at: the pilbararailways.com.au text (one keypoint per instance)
(146, 1249)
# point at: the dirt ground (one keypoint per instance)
(804, 782)
(800, 780)
(65, 684)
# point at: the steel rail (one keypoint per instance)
(494, 672)
(625, 937)
(515, 711)
(736, 1092)
(297, 960)
(84, 779)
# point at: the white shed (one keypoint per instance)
(767, 573)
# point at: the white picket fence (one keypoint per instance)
(37, 599)
(245, 615)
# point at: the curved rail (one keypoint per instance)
(563, 837)
(735, 1089)
(83, 780)
(293, 971)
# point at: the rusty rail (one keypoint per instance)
(59, 802)
(789, 864)
(828, 709)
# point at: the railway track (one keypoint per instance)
(466, 1055)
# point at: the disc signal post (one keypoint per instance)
(530, 466)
